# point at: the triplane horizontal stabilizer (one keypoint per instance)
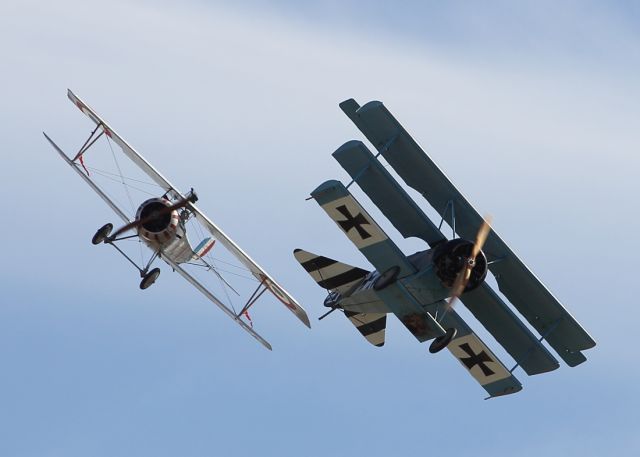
(162, 222)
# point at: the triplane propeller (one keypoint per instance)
(161, 223)
(421, 289)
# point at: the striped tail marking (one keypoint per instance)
(370, 325)
(330, 274)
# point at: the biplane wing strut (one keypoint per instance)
(174, 250)
(257, 271)
(195, 283)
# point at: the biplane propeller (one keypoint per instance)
(161, 224)
(422, 289)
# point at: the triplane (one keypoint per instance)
(161, 224)
(421, 289)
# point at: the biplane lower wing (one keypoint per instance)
(266, 280)
(116, 209)
(194, 282)
(529, 296)
(255, 269)
(478, 359)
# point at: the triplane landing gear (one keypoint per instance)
(443, 341)
(148, 276)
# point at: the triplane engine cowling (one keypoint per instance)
(450, 258)
(160, 225)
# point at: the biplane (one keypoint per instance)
(162, 222)
(421, 289)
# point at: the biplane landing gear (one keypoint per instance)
(443, 341)
(149, 278)
(102, 234)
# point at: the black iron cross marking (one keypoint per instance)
(353, 222)
(476, 359)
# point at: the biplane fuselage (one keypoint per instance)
(165, 233)
(161, 223)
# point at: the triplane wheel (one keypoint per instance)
(443, 341)
(102, 233)
(387, 278)
(149, 278)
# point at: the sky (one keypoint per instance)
(529, 107)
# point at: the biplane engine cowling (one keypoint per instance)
(449, 259)
(160, 225)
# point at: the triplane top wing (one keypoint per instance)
(161, 223)
(421, 289)
(541, 309)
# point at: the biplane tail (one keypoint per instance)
(330, 274)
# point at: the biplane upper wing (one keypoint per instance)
(207, 293)
(161, 181)
(530, 297)
(166, 258)
(131, 153)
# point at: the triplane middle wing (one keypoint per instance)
(162, 222)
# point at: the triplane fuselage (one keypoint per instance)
(421, 289)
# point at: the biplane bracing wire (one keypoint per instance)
(421, 289)
(162, 222)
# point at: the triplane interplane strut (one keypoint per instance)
(421, 289)
(161, 224)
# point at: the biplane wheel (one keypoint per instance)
(443, 341)
(149, 278)
(387, 278)
(102, 233)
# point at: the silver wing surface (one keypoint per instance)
(523, 289)
(103, 128)
(166, 258)
(257, 271)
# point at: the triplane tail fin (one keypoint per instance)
(341, 278)
(370, 325)
(330, 274)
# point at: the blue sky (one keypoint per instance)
(530, 109)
